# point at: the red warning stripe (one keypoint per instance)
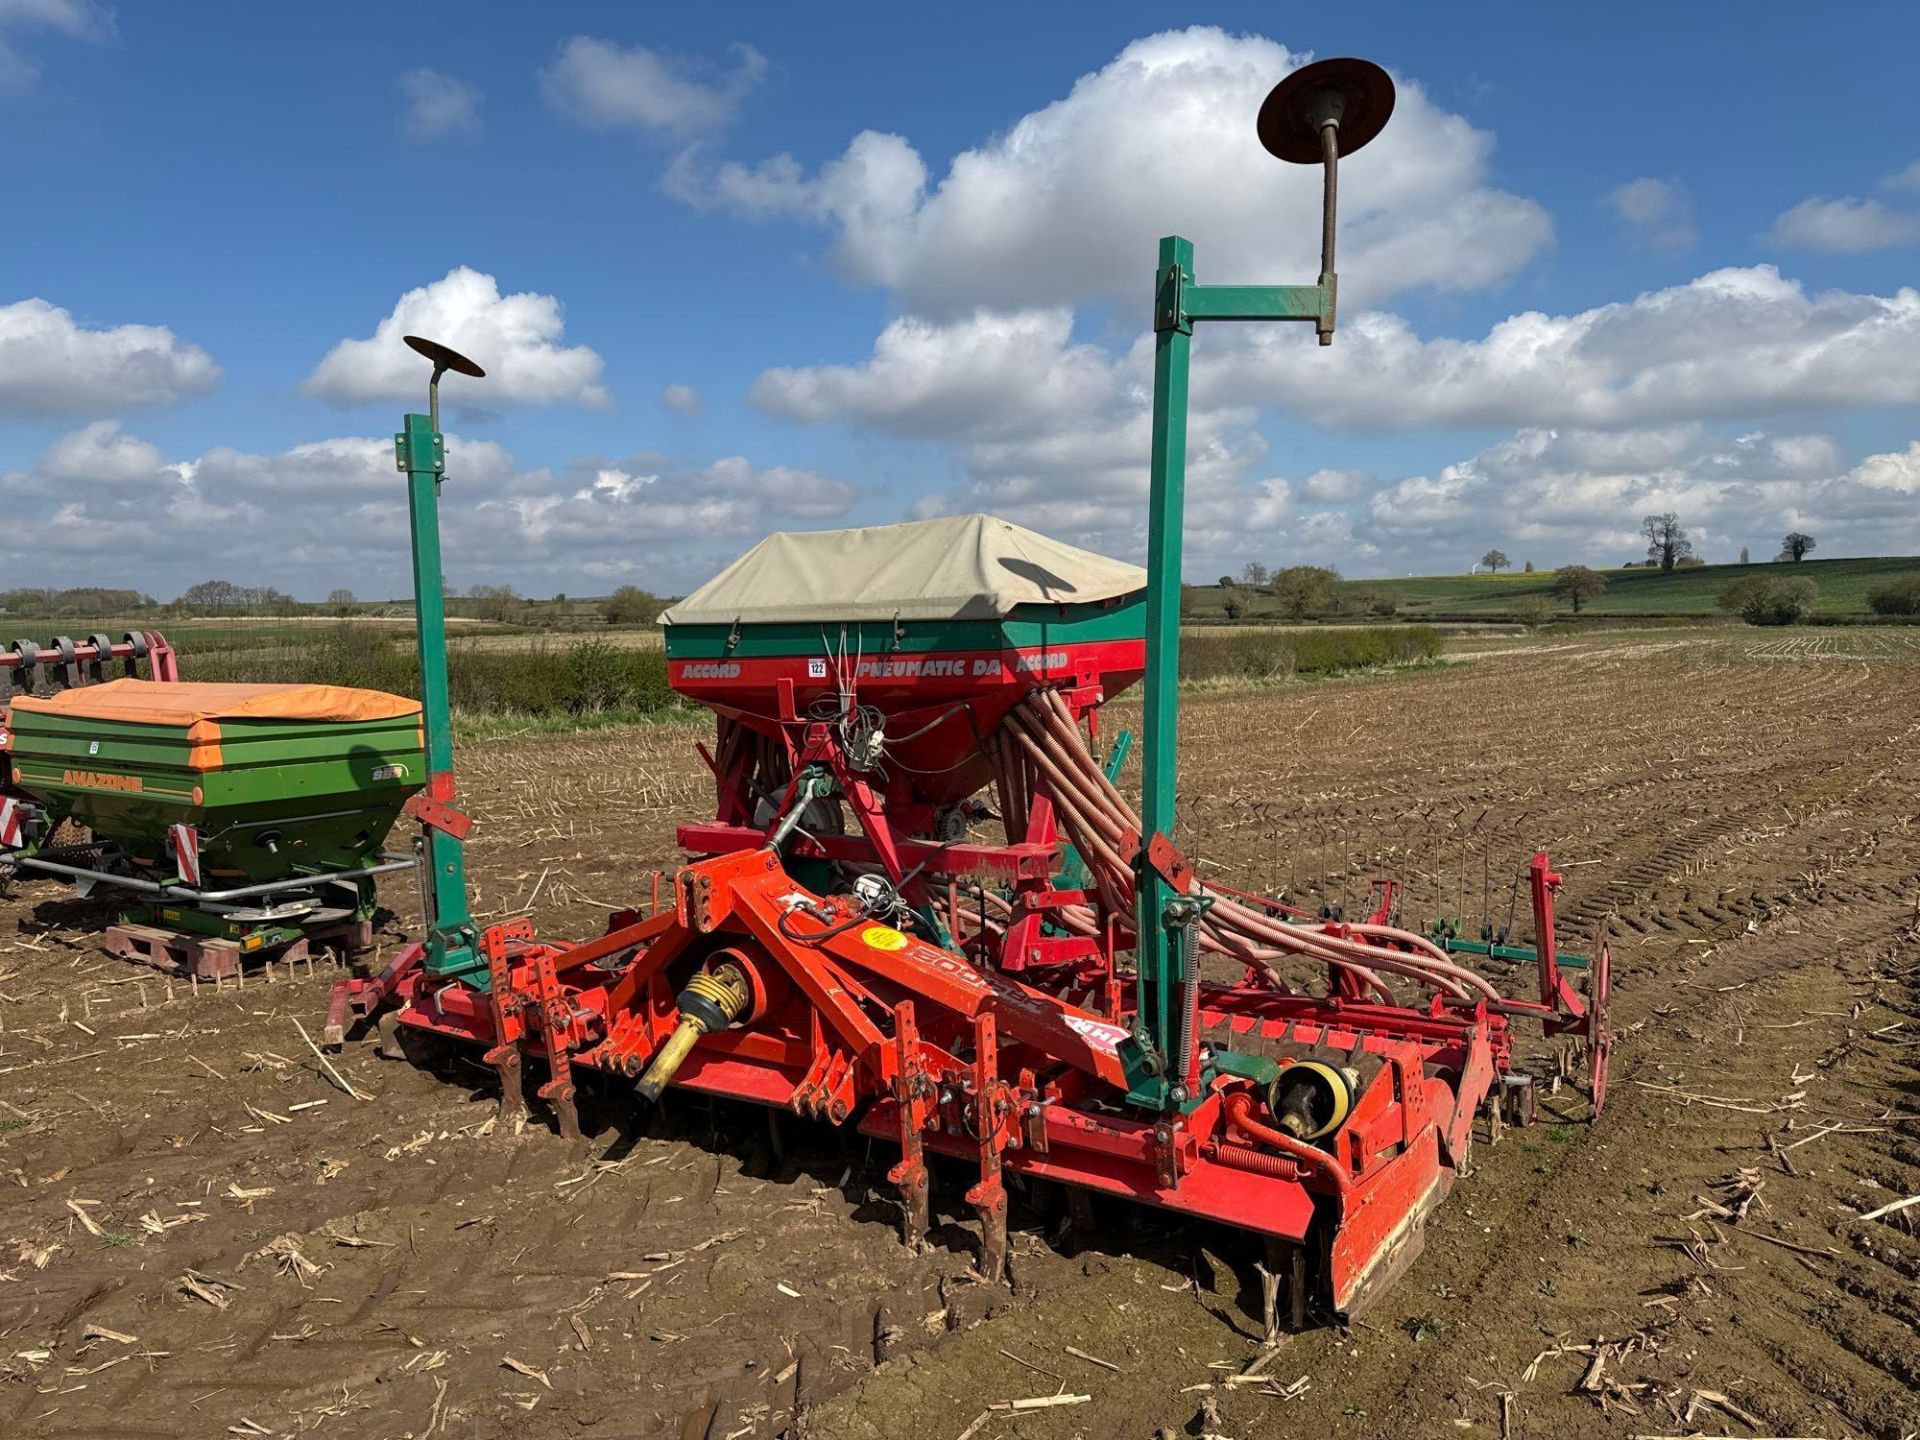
(186, 853)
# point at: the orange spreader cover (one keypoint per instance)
(192, 704)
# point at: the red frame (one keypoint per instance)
(1003, 1052)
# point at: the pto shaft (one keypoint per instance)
(712, 1001)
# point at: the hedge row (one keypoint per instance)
(1276, 655)
(582, 677)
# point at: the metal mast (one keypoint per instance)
(1314, 116)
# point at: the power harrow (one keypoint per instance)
(925, 907)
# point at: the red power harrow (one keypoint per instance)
(1331, 1075)
(30, 668)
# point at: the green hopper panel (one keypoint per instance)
(289, 797)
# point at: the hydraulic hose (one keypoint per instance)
(1046, 750)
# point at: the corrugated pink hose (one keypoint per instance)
(1103, 827)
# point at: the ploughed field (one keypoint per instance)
(202, 1235)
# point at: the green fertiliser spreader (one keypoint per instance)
(242, 819)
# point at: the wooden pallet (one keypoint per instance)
(205, 958)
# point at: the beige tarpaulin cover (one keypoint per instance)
(963, 567)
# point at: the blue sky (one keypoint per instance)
(896, 262)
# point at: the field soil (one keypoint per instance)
(202, 1234)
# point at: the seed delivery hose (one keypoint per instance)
(1039, 751)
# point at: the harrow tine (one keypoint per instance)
(989, 1197)
(910, 1089)
(504, 1057)
(1270, 1303)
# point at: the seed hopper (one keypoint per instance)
(927, 908)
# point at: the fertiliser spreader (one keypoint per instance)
(926, 908)
(239, 819)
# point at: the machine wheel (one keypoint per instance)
(1599, 1026)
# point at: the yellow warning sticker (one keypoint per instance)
(883, 937)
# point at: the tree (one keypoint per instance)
(1896, 597)
(1667, 542)
(1743, 556)
(630, 605)
(1531, 611)
(211, 595)
(1578, 584)
(1254, 575)
(1234, 602)
(496, 602)
(1304, 590)
(341, 596)
(1494, 559)
(1224, 582)
(1767, 600)
(1796, 545)
(1527, 569)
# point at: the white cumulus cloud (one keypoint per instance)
(1843, 227)
(515, 338)
(1051, 433)
(1069, 201)
(435, 104)
(985, 375)
(75, 19)
(336, 509)
(609, 86)
(1564, 496)
(51, 364)
(101, 454)
(681, 399)
(1660, 212)
(1732, 343)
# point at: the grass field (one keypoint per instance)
(1694, 591)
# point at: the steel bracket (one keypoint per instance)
(417, 451)
(1165, 859)
(1169, 304)
(438, 815)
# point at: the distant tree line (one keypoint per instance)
(628, 605)
(216, 597)
(84, 601)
